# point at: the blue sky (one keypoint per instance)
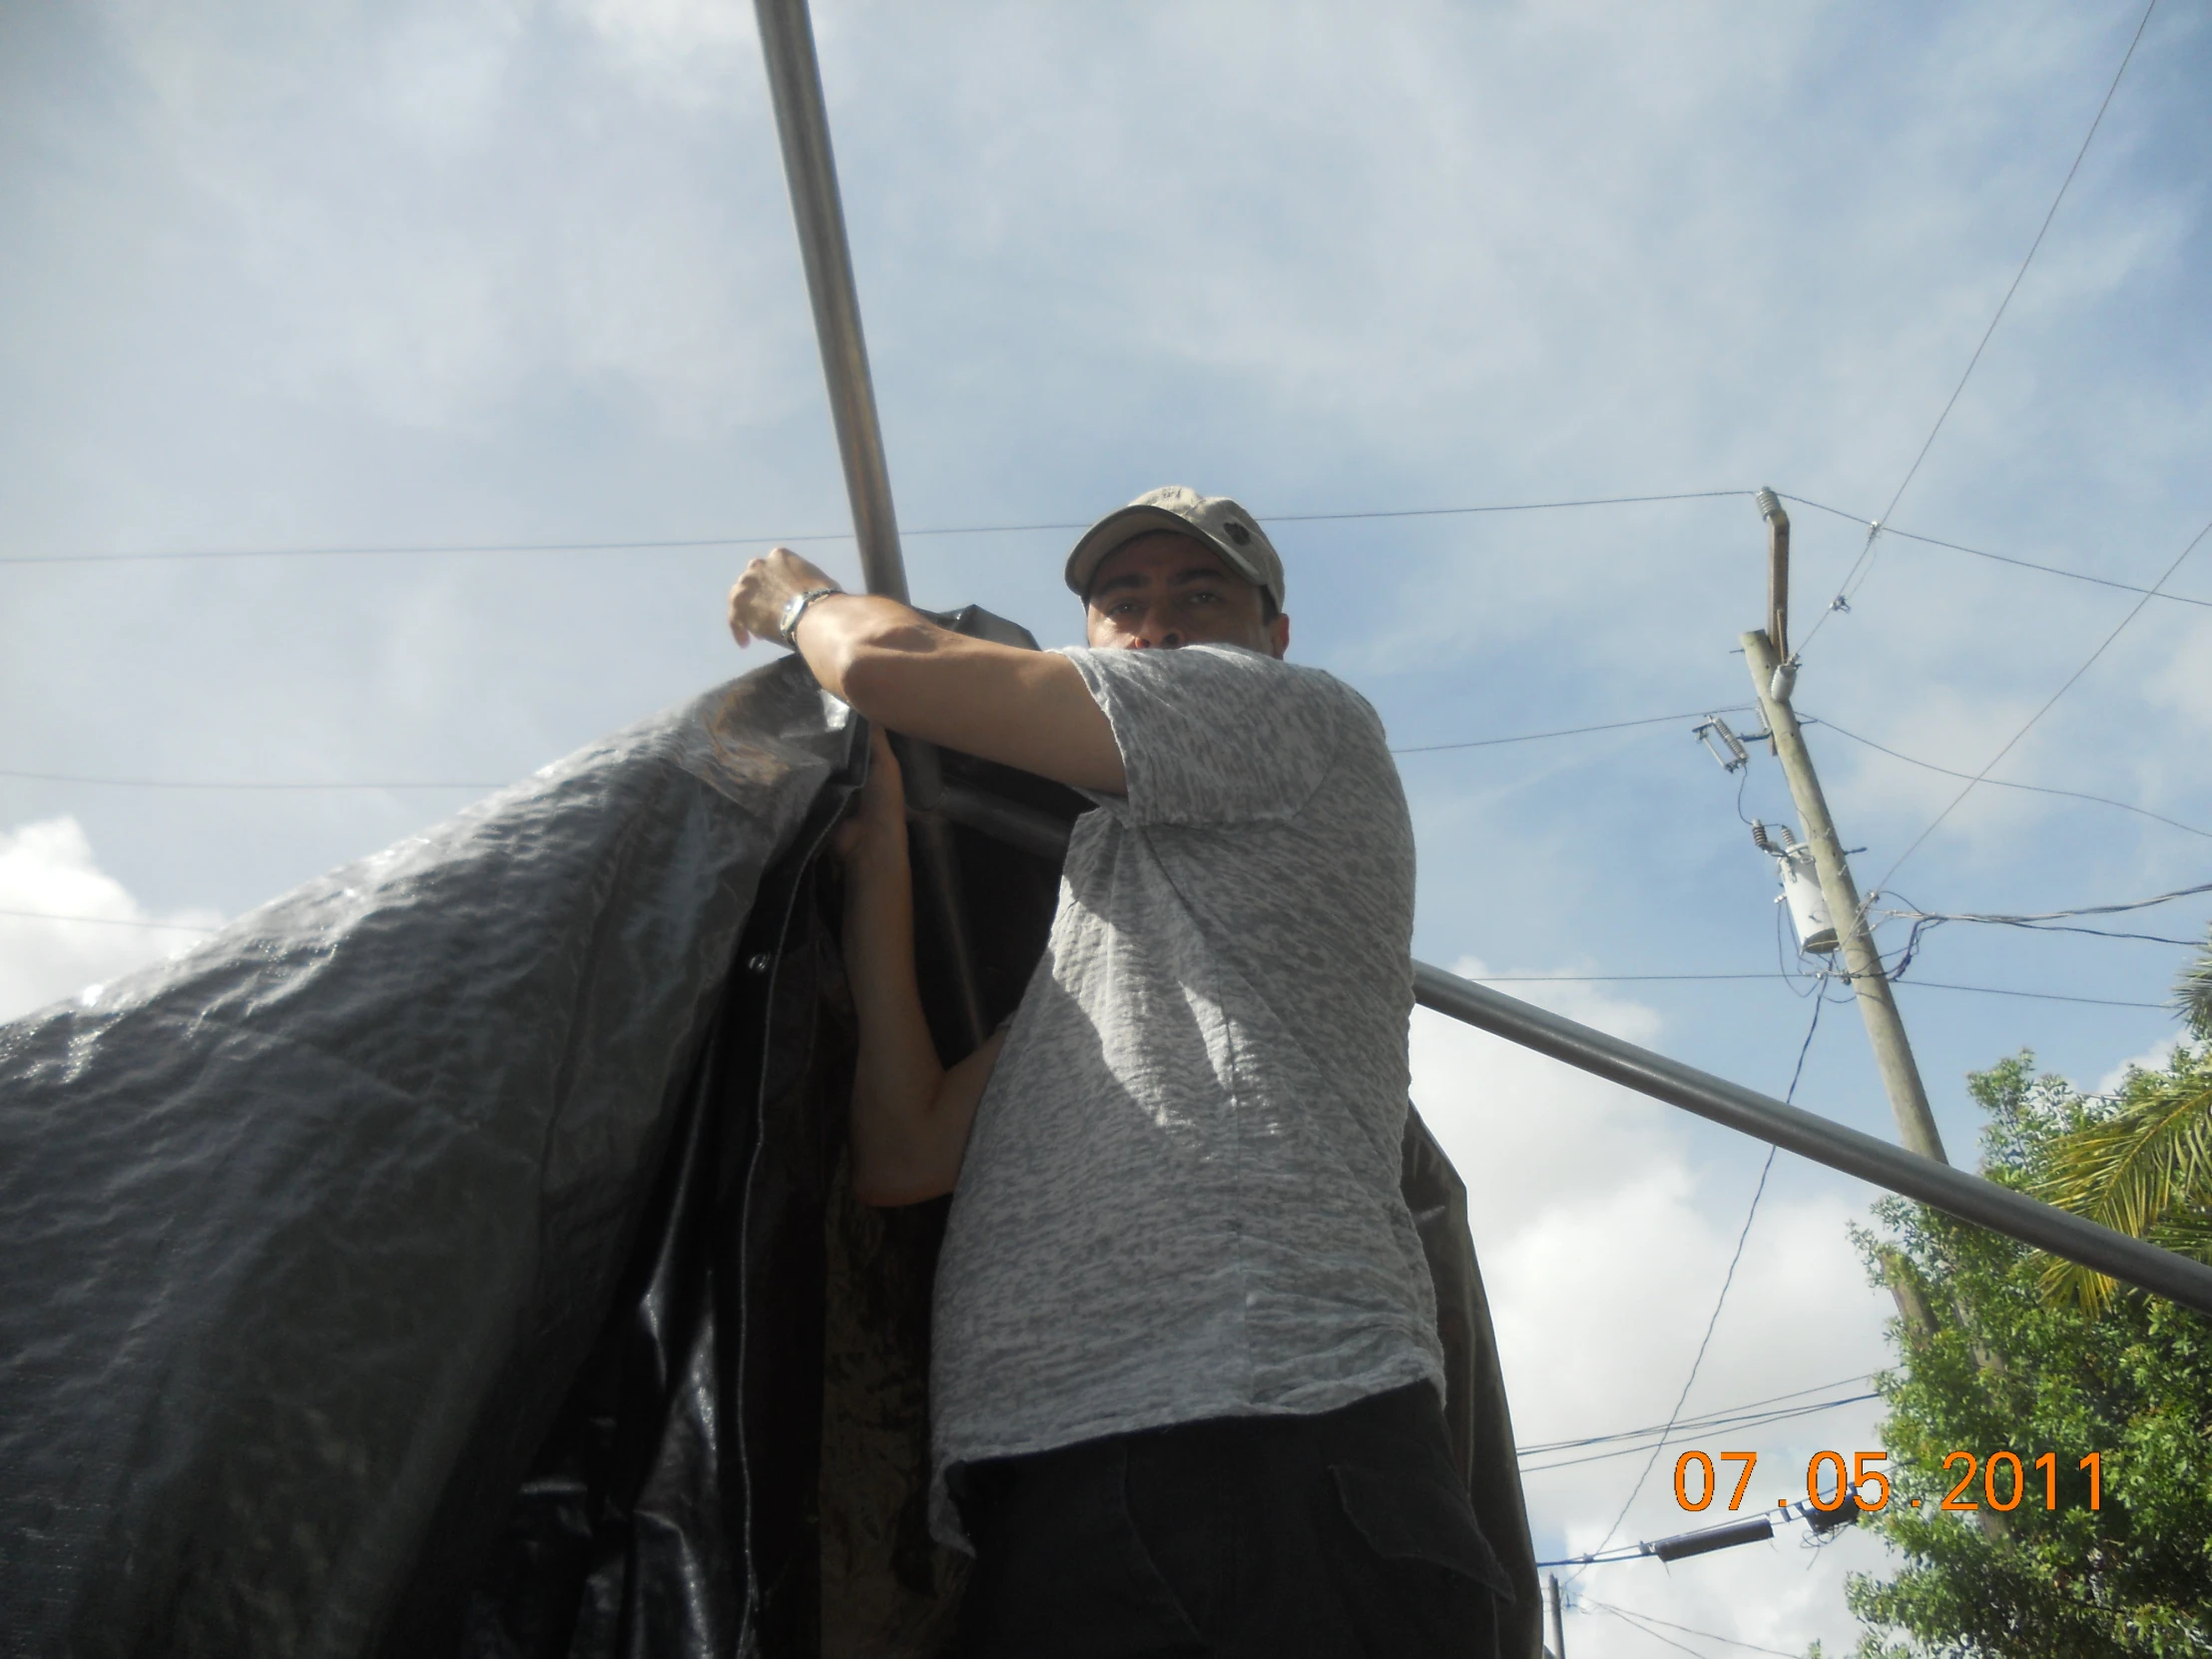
(487, 275)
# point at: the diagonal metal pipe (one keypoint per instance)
(811, 170)
(1809, 1135)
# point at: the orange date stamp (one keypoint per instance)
(1831, 1481)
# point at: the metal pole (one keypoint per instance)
(1558, 1624)
(802, 126)
(1969, 1197)
(1893, 1053)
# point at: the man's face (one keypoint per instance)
(1164, 590)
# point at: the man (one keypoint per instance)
(1185, 1379)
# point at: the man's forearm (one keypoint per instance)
(1026, 708)
(837, 633)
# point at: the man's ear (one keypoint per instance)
(1278, 632)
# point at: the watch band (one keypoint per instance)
(788, 623)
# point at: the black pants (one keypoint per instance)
(1345, 1533)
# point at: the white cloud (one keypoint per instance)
(2154, 1058)
(402, 233)
(2183, 682)
(666, 42)
(47, 869)
(1603, 1246)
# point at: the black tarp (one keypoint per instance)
(302, 1235)
(453, 1256)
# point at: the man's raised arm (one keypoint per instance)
(1025, 709)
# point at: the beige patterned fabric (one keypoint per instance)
(1181, 1196)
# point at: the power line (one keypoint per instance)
(108, 922)
(1626, 1614)
(1519, 507)
(1489, 978)
(1643, 1629)
(2053, 570)
(693, 543)
(2032, 996)
(1652, 1428)
(1873, 529)
(1614, 978)
(1727, 1280)
(1690, 1429)
(96, 781)
(1999, 558)
(2030, 916)
(2047, 928)
(1569, 730)
(2003, 784)
(216, 784)
(189, 784)
(450, 549)
(2136, 611)
(1921, 985)
(2033, 248)
(2051, 921)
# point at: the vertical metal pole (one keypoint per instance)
(802, 126)
(1558, 1624)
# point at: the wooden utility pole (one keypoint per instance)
(1558, 1625)
(1772, 675)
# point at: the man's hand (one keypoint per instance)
(757, 601)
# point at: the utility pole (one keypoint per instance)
(1773, 674)
(1558, 1625)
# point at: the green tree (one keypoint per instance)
(1989, 1362)
(2145, 1167)
(2194, 994)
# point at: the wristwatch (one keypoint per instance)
(788, 623)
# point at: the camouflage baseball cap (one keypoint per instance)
(1213, 519)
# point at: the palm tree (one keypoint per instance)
(2194, 992)
(2147, 1169)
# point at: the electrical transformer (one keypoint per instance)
(1801, 889)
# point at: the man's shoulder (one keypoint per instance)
(1217, 663)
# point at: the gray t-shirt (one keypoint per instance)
(1180, 1198)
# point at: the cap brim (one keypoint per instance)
(1125, 524)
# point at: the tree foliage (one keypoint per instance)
(2193, 993)
(2144, 1168)
(1989, 1362)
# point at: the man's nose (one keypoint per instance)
(1156, 633)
